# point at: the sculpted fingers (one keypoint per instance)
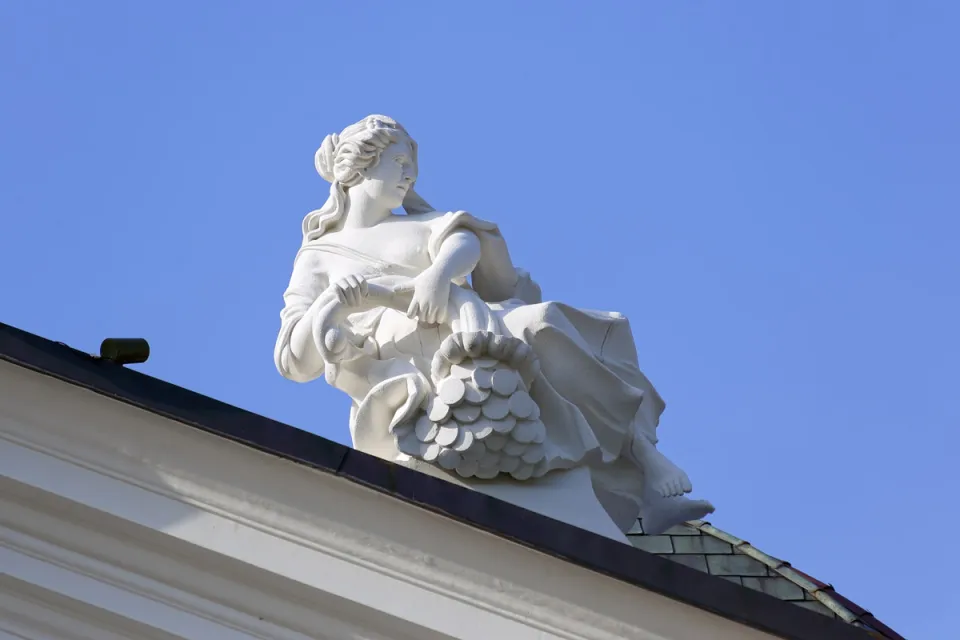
(424, 310)
(442, 313)
(341, 290)
(438, 312)
(414, 310)
(355, 292)
(351, 290)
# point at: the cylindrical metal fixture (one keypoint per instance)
(125, 350)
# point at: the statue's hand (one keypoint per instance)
(431, 297)
(351, 290)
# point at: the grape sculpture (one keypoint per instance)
(480, 420)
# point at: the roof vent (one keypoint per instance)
(125, 350)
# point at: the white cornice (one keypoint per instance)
(209, 532)
(32, 613)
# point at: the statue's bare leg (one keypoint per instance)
(664, 502)
(660, 474)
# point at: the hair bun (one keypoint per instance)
(325, 156)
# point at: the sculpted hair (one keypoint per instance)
(340, 161)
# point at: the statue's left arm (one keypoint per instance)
(457, 255)
(494, 276)
(455, 258)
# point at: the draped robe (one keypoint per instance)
(592, 395)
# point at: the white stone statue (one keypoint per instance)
(455, 365)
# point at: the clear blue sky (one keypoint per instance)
(769, 190)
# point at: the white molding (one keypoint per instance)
(111, 588)
(143, 564)
(28, 611)
(179, 498)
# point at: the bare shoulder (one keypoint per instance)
(443, 221)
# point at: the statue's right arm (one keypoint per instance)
(296, 355)
(304, 351)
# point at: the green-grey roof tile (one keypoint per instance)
(694, 561)
(700, 544)
(682, 530)
(734, 565)
(777, 587)
(652, 544)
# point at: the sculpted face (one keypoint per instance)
(391, 178)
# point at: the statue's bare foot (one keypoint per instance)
(671, 482)
(658, 515)
(660, 474)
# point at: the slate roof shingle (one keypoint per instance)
(702, 546)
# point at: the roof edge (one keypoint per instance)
(586, 549)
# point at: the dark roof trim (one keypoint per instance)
(543, 534)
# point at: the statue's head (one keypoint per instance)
(375, 156)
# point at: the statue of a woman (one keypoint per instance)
(454, 364)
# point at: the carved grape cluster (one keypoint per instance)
(481, 422)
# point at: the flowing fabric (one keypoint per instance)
(592, 395)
